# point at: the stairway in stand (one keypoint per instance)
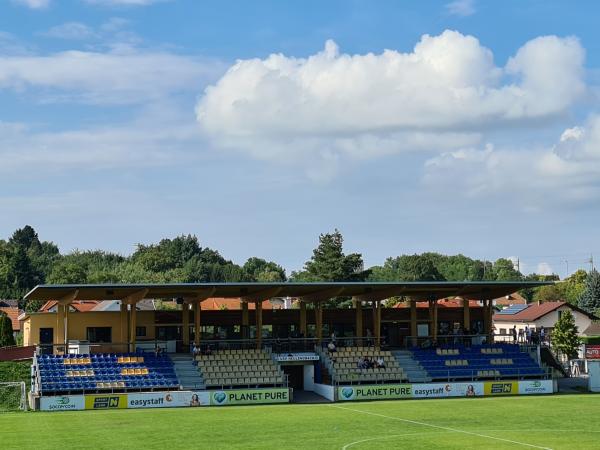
(187, 372)
(412, 368)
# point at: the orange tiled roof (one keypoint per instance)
(13, 314)
(444, 303)
(78, 305)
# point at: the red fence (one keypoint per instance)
(16, 353)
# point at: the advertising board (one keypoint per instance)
(536, 387)
(438, 390)
(375, 392)
(62, 403)
(501, 388)
(249, 396)
(173, 399)
(106, 401)
(592, 351)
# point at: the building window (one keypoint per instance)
(99, 334)
(140, 331)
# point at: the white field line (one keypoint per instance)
(347, 446)
(439, 427)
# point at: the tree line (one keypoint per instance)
(26, 261)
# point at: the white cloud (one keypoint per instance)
(33, 4)
(71, 30)
(568, 172)
(330, 106)
(461, 8)
(544, 268)
(115, 77)
(159, 136)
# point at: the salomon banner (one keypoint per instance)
(375, 392)
(249, 396)
(62, 403)
(438, 390)
(174, 399)
(536, 387)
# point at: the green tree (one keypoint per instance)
(6, 331)
(329, 263)
(257, 269)
(504, 270)
(67, 272)
(551, 293)
(590, 297)
(565, 336)
(407, 268)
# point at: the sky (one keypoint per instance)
(466, 127)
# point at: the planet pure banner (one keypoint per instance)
(173, 399)
(249, 396)
(439, 390)
(375, 392)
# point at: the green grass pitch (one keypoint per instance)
(555, 422)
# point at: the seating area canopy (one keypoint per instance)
(314, 291)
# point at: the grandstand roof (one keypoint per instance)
(258, 291)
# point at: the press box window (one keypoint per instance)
(99, 334)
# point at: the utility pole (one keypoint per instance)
(567, 263)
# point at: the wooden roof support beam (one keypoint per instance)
(200, 296)
(382, 294)
(261, 295)
(137, 296)
(69, 298)
(324, 294)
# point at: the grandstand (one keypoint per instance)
(461, 362)
(227, 369)
(343, 365)
(258, 367)
(100, 372)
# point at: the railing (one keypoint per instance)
(446, 340)
(518, 373)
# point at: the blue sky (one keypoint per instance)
(459, 127)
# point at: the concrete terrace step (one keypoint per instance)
(414, 371)
(187, 372)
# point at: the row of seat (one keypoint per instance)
(456, 362)
(477, 362)
(447, 351)
(228, 368)
(58, 373)
(245, 381)
(501, 361)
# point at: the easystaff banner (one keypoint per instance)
(536, 387)
(174, 399)
(438, 390)
(62, 403)
(108, 401)
(375, 392)
(249, 396)
(501, 388)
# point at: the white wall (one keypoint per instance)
(325, 390)
(548, 321)
(309, 377)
